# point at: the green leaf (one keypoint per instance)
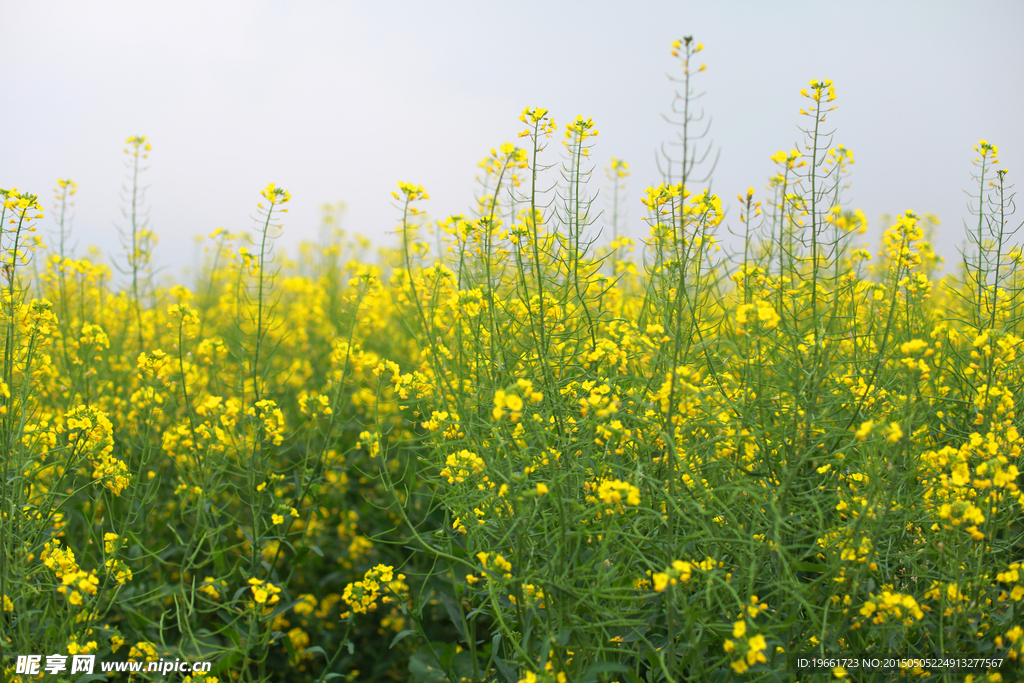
(448, 654)
(288, 644)
(508, 672)
(401, 635)
(454, 614)
(590, 675)
(424, 669)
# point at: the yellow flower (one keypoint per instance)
(893, 432)
(143, 650)
(299, 638)
(613, 491)
(264, 592)
(209, 589)
(865, 430)
(757, 647)
(461, 466)
(913, 346)
(760, 312)
(740, 666)
(275, 195)
(110, 542)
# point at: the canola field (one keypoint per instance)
(526, 444)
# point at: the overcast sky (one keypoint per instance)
(338, 101)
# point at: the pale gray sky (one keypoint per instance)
(341, 100)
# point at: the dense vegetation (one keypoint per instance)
(513, 449)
